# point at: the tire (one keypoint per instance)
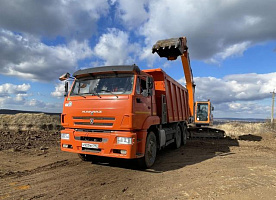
(150, 152)
(184, 135)
(177, 143)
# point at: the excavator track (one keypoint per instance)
(206, 132)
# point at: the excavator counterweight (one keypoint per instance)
(170, 48)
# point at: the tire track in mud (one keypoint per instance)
(47, 167)
(18, 184)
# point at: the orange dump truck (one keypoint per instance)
(123, 112)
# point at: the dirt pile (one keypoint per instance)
(26, 131)
(30, 122)
(240, 130)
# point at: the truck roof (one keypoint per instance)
(114, 68)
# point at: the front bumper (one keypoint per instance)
(106, 142)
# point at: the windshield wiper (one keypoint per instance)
(96, 93)
(81, 95)
(110, 92)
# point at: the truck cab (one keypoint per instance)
(108, 111)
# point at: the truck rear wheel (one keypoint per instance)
(150, 152)
(185, 134)
(177, 142)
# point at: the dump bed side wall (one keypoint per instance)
(176, 96)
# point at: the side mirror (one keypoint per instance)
(149, 82)
(147, 92)
(66, 88)
(213, 108)
(64, 77)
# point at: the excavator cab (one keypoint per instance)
(203, 113)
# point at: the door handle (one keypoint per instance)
(138, 100)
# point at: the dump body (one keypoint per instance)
(176, 97)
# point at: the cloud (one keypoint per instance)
(231, 51)
(40, 105)
(68, 18)
(239, 87)
(8, 89)
(115, 48)
(60, 89)
(28, 58)
(242, 110)
(36, 103)
(11, 94)
(216, 30)
(132, 13)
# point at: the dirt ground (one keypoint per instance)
(33, 167)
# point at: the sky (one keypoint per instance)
(232, 45)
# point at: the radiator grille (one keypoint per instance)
(93, 121)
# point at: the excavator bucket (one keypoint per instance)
(170, 48)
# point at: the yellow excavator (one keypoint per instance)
(201, 111)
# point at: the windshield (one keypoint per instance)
(103, 84)
(202, 112)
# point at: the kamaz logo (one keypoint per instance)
(91, 121)
(92, 111)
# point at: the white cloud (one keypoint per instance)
(69, 18)
(11, 94)
(231, 51)
(132, 13)
(238, 87)
(216, 30)
(60, 90)
(242, 110)
(115, 48)
(36, 103)
(27, 57)
(20, 97)
(8, 89)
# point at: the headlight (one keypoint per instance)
(124, 140)
(65, 136)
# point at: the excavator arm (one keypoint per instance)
(171, 49)
(200, 110)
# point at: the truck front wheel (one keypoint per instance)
(150, 152)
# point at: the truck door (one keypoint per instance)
(142, 104)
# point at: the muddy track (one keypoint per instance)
(203, 169)
(39, 169)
